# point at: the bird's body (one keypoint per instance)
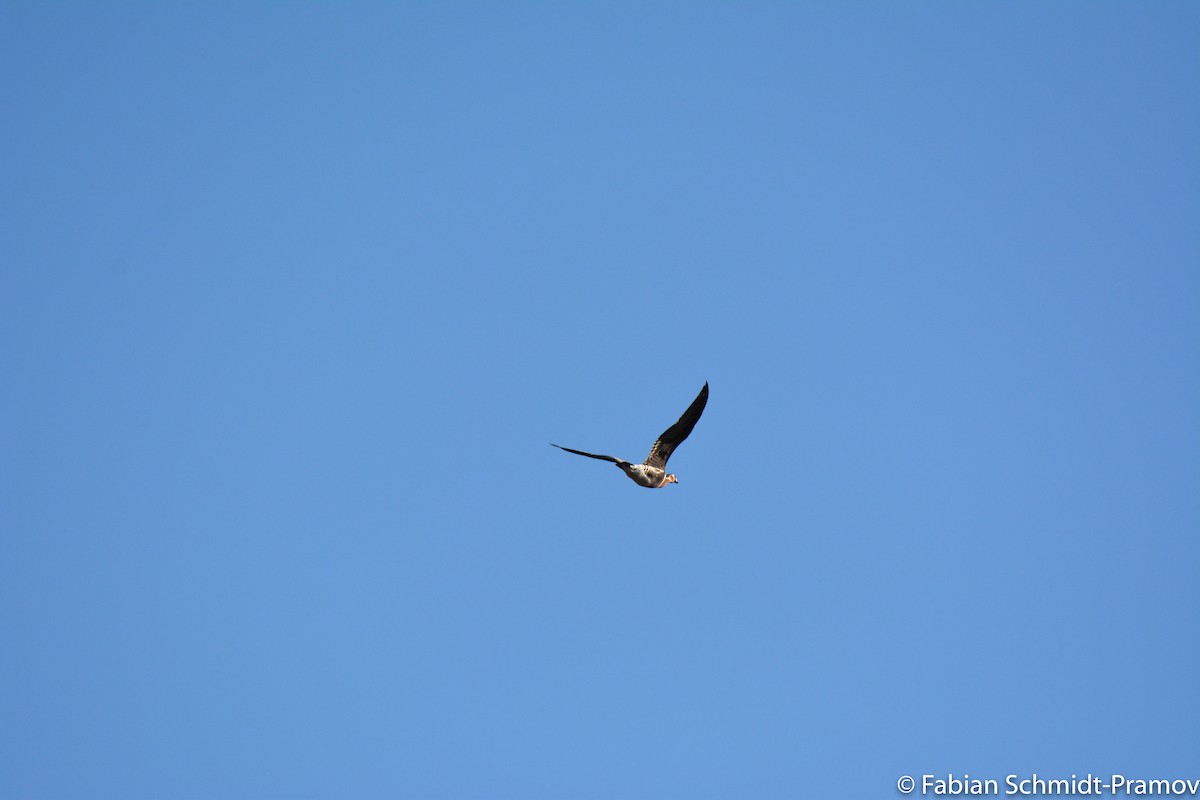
(653, 472)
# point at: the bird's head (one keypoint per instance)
(670, 479)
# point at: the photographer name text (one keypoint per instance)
(1035, 785)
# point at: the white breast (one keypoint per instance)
(643, 475)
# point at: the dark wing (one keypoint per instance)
(589, 455)
(673, 436)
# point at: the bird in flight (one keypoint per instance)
(652, 473)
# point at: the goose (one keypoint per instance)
(652, 473)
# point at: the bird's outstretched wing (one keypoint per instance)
(589, 455)
(673, 436)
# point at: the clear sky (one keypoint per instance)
(293, 298)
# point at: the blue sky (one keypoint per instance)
(294, 296)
